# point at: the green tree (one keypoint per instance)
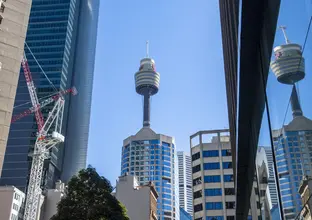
(88, 197)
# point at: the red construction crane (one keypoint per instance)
(45, 141)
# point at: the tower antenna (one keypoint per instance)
(283, 28)
(147, 48)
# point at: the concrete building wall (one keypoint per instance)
(14, 15)
(11, 201)
(52, 198)
(137, 200)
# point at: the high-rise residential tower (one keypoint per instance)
(14, 15)
(62, 36)
(293, 142)
(185, 181)
(150, 156)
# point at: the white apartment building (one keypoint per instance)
(11, 201)
(185, 181)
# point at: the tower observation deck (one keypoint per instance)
(289, 64)
(147, 84)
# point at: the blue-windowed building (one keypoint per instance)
(152, 157)
(293, 148)
(62, 37)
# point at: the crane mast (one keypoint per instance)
(45, 139)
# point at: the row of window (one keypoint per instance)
(211, 153)
(213, 166)
(217, 218)
(214, 192)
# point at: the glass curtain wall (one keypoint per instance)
(287, 121)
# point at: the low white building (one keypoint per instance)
(11, 201)
(52, 198)
(140, 201)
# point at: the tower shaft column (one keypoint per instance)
(146, 110)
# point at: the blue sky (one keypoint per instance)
(185, 42)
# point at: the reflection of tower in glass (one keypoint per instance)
(293, 142)
(288, 65)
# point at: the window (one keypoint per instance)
(230, 218)
(14, 217)
(228, 178)
(230, 205)
(15, 207)
(197, 181)
(214, 218)
(227, 165)
(195, 156)
(229, 191)
(211, 153)
(211, 166)
(213, 192)
(197, 194)
(196, 169)
(16, 196)
(198, 207)
(226, 152)
(214, 205)
(212, 179)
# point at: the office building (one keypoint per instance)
(14, 15)
(212, 175)
(150, 156)
(185, 181)
(184, 215)
(305, 193)
(248, 31)
(11, 203)
(271, 180)
(139, 200)
(293, 142)
(66, 54)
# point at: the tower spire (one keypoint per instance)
(147, 49)
(295, 104)
(283, 28)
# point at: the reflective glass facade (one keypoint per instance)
(272, 105)
(52, 36)
(154, 160)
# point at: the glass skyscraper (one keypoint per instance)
(152, 157)
(293, 147)
(62, 36)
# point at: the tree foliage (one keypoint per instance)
(88, 197)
